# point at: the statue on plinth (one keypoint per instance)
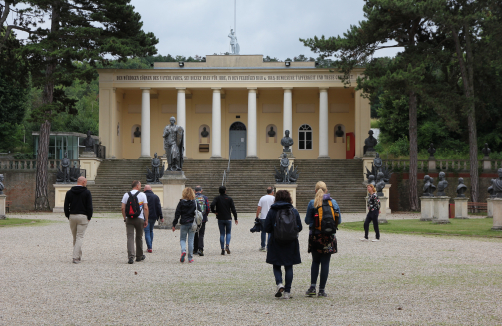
(461, 188)
(89, 143)
(380, 184)
(65, 168)
(377, 162)
(370, 143)
(490, 188)
(376, 167)
(287, 142)
(286, 174)
(66, 173)
(431, 151)
(497, 185)
(2, 186)
(156, 173)
(137, 133)
(371, 179)
(429, 186)
(442, 184)
(486, 151)
(233, 42)
(174, 145)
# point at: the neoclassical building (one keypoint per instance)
(234, 101)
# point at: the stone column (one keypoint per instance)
(382, 216)
(497, 213)
(216, 124)
(287, 115)
(441, 215)
(427, 208)
(3, 203)
(251, 130)
(461, 207)
(323, 123)
(489, 207)
(181, 114)
(145, 123)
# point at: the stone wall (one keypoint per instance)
(399, 198)
(20, 189)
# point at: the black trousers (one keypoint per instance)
(372, 216)
(198, 239)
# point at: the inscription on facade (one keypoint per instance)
(224, 78)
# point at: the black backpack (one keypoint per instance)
(328, 219)
(285, 228)
(132, 208)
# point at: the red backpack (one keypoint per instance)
(132, 208)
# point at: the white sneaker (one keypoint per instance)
(280, 289)
(287, 295)
(363, 239)
(375, 240)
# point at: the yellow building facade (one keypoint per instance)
(235, 101)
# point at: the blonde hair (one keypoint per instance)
(188, 194)
(320, 190)
(372, 186)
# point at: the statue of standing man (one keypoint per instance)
(174, 145)
(233, 42)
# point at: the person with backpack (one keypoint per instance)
(185, 214)
(155, 213)
(261, 213)
(283, 223)
(323, 216)
(198, 240)
(222, 205)
(372, 216)
(134, 210)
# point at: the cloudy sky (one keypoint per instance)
(268, 27)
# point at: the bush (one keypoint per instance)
(400, 148)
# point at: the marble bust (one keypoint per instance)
(442, 184)
(497, 185)
(287, 142)
(461, 188)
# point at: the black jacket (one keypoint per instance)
(185, 212)
(78, 200)
(154, 208)
(222, 205)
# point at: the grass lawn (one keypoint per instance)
(479, 227)
(20, 222)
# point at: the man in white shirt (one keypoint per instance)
(261, 212)
(136, 223)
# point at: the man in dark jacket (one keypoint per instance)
(78, 210)
(222, 205)
(155, 212)
(198, 240)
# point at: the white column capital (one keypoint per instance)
(181, 89)
(252, 89)
(323, 89)
(145, 89)
(216, 89)
(287, 89)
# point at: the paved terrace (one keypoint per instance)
(404, 279)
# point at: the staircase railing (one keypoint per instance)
(225, 172)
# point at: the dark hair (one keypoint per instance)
(134, 184)
(283, 195)
(198, 189)
(222, 190)
(270, 190)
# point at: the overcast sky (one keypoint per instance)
(268, 27)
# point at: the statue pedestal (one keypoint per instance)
(489, 207)
(291, 187)
(60, 190)
(432, 165)
(386, 191)
(487, 165)
(441, 210)
(382, 217)
(368, 162)
(497, 213)
(3, 203)
(427, 208)
(158, 189)
(461, 207)
(91, 165)
(173, 183)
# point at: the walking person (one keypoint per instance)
(78, 210)
(222, 206)
(372, 216)
(261, 212)
(154, 214)
(283, 223)
(198, 240)
(322, 243)
(134, 210)
(185, 214)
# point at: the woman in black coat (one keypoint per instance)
(280, 253)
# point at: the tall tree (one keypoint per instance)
(83, 31)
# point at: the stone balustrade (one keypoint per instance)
(442, 164)
(32, 164)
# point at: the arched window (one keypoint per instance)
(305, 137)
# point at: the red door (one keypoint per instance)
(351, 146)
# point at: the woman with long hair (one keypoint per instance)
(283, 252)
(321, 245)
(372, 216)
(185, 213)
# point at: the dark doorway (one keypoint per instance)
(237, 141)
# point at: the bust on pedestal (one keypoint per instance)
(461, 200)
(441, 202)
(487, 164)
(427, 199)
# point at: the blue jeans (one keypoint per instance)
(186, 229)
(323, 260)
(149, 233)
(264, 239)
(225, 227)
(288, 275)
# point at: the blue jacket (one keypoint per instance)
(282, 254)
(154, 208)
(309, 217)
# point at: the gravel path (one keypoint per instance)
(404, 279)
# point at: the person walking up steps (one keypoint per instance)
(283, 223)
(323, 216)
(78, 210)
(155, 212)
(134, 210)
(185, 213)
(198, 240)
(372, 216)
(261, 213)
(222, 205)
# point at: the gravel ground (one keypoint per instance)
(403, 280)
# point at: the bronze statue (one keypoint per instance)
(65, 168)
(271, 132)
(89, 143)
(137, 133)
(461, 188)
(2, 187)
(370, 143)
(431, 151)
(286, 174)
(497, 185)
(204, 133)
(156, 173)
(429, 186)
(380, 183)
(287, 142)
(174, 145)
(371, 179)
(490, 188)
(377, 162)
(486, 151)
(442, 184)
(339, 132)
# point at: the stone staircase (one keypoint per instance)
(246, 182)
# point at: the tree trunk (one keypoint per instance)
(413, 151)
